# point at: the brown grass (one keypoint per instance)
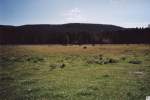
(75, 49)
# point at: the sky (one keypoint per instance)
(125, 13)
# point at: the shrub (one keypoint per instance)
(57, 65)
(34, 59)
(101, 60)
(123, 58)
(135, 62)
(106, 75)
(111, 60)
(84, 47)
(62, 65)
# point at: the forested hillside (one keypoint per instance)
(73, 33)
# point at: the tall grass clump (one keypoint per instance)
(100, 59)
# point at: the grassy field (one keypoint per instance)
(86, 72)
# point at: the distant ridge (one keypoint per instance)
(83, 26)
(71, 33)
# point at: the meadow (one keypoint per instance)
(75, 72)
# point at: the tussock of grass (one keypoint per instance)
(27, 82)
(135, 61)
(60, 95)
(101, 60)
(85, 92)
(93, 87)
(57, 65)
(34, 59)
(123, 58)
(106, 75)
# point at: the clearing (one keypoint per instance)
(74, 72)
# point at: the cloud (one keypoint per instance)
(117, 1)
(74, 15)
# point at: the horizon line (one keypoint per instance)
(69, 23)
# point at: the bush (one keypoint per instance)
(111, 60)
(105, 75)
(101, 60)
(135, 62)
(57, 65)
(123, 58)
(34, 59)
(84, 47)
(62, 65)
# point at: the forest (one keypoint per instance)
(73, 33)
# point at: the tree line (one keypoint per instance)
(73, 34)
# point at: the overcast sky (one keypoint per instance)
(126, 13)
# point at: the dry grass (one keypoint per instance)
(57, 72)
(76, 49)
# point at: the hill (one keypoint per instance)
(72, 33)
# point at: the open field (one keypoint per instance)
(86, 72)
